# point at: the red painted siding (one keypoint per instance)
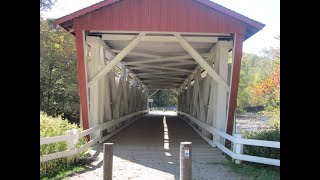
(235, 81)
(82, 79)
(159, 15)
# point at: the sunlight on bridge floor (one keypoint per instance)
(169, 113)
(134, 170)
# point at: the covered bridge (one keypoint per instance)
(127, 49)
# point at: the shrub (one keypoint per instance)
(270, 135)
(240, 110)
(54, 126)
(274, 115)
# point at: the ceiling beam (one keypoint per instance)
(137, 54)
(161, 77)
(144, 66)
(161, 32)
(159, 81)
(164, 59)
(113, 37)
(142, 74)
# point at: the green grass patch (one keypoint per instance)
(255, 171)
(65, 172)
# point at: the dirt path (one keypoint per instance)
(149, 149)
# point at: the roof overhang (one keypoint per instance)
(252, 26)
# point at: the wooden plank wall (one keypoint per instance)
(204, 98)
(159, 15)
(116, 94)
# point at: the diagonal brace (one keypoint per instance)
(203, 63)
(117, 59)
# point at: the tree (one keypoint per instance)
(46, 4)
(165, 98)
(58, 70)
(259, 74)
(269, 87)
(253, 69)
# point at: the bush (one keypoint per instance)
(50, 126)
(270, 135)
(240, 110)
(274, 115)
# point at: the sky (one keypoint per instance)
(264, 11)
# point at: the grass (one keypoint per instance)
(65, 172)
(255, 171)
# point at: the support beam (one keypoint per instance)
(235, 78)
(144, 66)
(142, 74)
(174, 95)
(154, 77)
(108, 53)
(203, 63)
(162, 80)
(161, 32)
(82, 78)
(201, 110)
(153, 93)
(125, 92)
(221, 66)
(209, 58)
(117, 59)
(117, 103)
(164, 59)
(189, 98)
(178, 62)
(162, 86)
(112, 37)
(137, 54)
(163, 83)
(108, 98)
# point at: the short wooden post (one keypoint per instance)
(237, 148)
(185, 161)
(71, 144)
(107, 161)
(101, 134)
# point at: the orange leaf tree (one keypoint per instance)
(269, 88)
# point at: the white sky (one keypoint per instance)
(264, 11)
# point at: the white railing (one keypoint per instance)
(237, 140)
(72, 138)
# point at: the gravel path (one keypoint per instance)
(149, 149)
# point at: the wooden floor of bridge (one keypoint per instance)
(149, 149)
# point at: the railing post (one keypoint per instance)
(71, 144)
(101, 133)
(107, 161)
(237, 148)
(185, 161)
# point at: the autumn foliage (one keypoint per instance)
(270, 85)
